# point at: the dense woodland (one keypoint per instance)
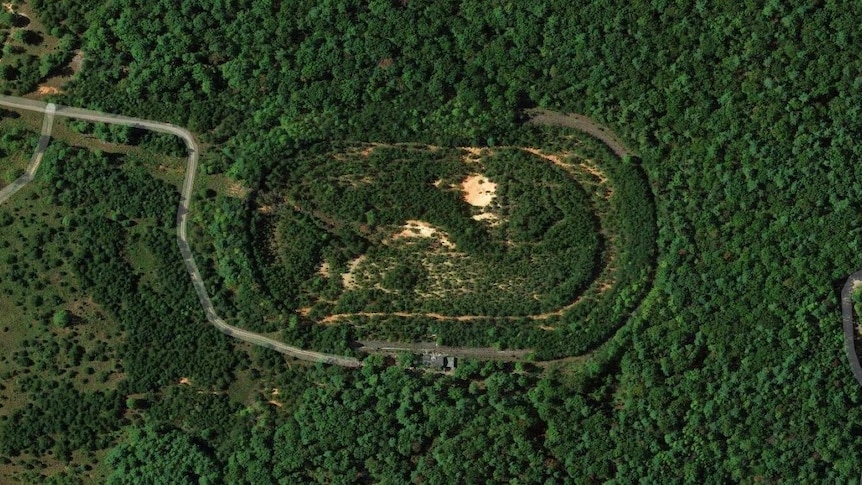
(731, 368)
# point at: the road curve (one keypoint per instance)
(44, 138)
(849, 324)
(52, 110)
(581, 123)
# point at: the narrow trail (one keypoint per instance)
(51, 110)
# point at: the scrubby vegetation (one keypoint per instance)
(17, 143)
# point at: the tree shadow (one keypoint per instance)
(12, 115)
(20, 21)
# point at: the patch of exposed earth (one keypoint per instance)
(348, 279)
(478, 190)
(421, 229)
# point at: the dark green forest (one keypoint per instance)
(728, 364)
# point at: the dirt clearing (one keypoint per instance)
(486, 216)
(348, 280)
(478, 190)
(44, 90)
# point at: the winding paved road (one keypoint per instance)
(51, 110)
(849, 327)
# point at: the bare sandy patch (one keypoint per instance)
(8, 7)
(424, 230)
(265, 209)
(487, 216)
(45, 90)
(478, 190)
(324, 270)
(348, 280)
(185, 381)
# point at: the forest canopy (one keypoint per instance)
(730, 367)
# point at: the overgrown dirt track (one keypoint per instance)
(538, 117)
(50, 110)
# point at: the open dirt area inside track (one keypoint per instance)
(602, 283)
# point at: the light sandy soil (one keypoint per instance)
(478, 190)
(487, 216)
(265, 209)
(185, 381)
(348, 280)
(424, 230)
(324, 270)
(44, 90)
(8, 7)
